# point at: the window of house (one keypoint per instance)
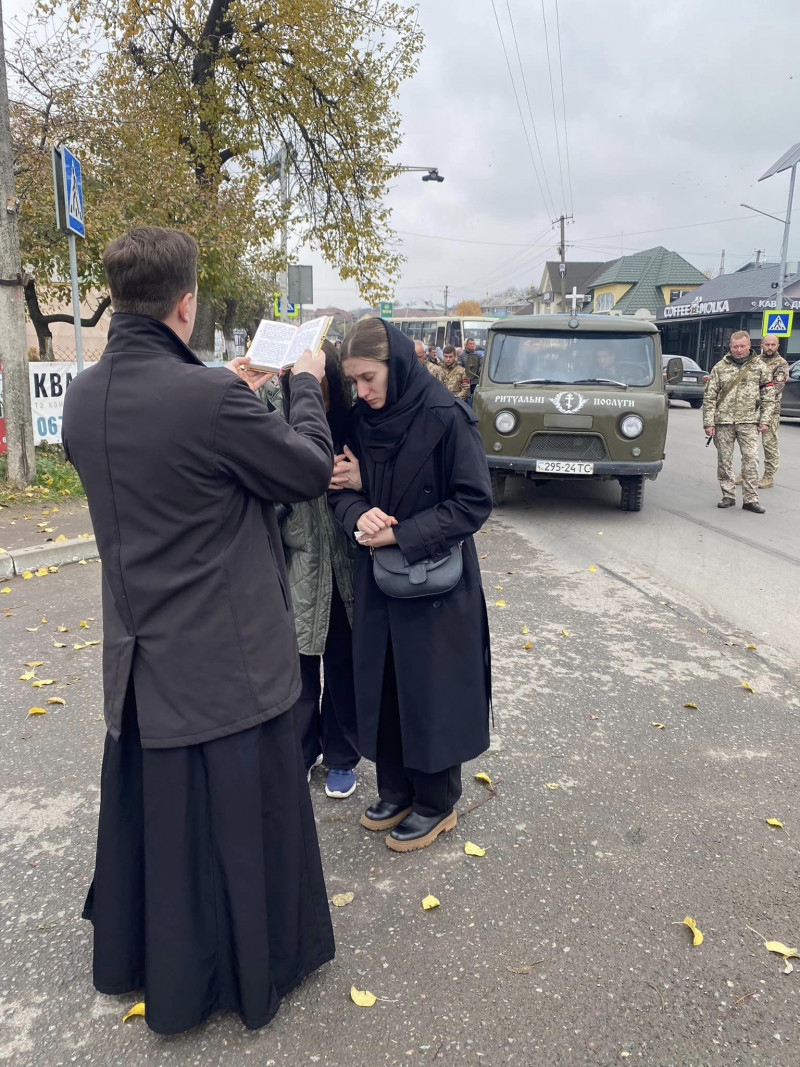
(676, 294)
(604, 302)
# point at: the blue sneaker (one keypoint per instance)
(316, 763)
(340, 784)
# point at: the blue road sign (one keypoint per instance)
(73, 193)
(777, 323)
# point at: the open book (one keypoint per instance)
(278, 345)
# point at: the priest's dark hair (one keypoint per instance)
(149, 269)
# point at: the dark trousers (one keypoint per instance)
(328, 726)
(428, 794)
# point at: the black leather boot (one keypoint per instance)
(417, 831)
(383, 816)
(727, 502)
(755, 506)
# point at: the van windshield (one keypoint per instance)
(627, 359)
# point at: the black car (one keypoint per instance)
(790, 401)
(693, 385)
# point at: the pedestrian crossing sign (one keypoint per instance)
(777, 323)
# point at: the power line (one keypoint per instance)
(550, 210)
(468, 241)
(564, 110)
(553, 100)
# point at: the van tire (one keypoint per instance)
(696, 403)
(498, 488)
(632, 493)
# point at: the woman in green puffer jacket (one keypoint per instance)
(319, 559)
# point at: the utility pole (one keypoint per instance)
(562, 260)
(721, 263)
(16, 379)
(759, 254)
(283, 281)
(446, 292)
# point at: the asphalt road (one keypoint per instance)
(564, 944)
(743, 567)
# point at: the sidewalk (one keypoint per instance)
(564, 944)
(44, 535)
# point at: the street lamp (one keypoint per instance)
(431, 173)
(788, 161)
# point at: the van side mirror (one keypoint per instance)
(675, 370)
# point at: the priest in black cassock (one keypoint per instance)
(208, 891)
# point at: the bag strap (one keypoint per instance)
(732, 385)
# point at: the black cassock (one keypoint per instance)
(208, 890)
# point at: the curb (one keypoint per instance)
(52, 554)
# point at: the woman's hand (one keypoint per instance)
(346, 471)
(372, 522)
(380, 540)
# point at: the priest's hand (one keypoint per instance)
(240, 366)
(346, 471)
(311, 364)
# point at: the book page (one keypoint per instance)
(271, 345)
(310, 335)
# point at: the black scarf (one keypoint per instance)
(382, 432)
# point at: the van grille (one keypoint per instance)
(583, 446)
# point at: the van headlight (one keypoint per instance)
(631, 426)
(505, 421)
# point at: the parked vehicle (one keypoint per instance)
(691, 387)
(574, 397)
(451, 330)
(790, 402)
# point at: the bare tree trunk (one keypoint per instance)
(39, 320)
(16, 378)
(202, 340)
(227, 327)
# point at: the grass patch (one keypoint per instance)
(55, 479)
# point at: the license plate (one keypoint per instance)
(563, 466)
(689, 378)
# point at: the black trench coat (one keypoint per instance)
(181, 464)
(441, 494)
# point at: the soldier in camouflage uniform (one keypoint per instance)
(779, 369)
(425, 360)
(738, 406)
(452, 374)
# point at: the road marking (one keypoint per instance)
(769, 549)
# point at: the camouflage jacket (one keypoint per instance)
(434, 369)
(455, 379)
(751, 400)
(779, 369)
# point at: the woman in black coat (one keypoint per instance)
(422, 668)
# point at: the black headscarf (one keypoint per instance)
(381, 432)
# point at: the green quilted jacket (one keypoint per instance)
(317, 554)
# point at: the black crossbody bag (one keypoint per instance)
(396, 577)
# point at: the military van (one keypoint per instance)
(574, 397)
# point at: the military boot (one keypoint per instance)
(766, 482)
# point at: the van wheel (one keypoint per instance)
(498, 488)
(632, 493)
(696, 403)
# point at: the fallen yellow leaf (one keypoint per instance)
(57, 700)
(341, 900)
(31, 629)
(43, 619)
(498, 587)
(82, 562)
(137, 1009)
(84, 624)
(781, 949)
(78, 647)
(658, 725)
(26, 677)
(750, 646)
(34, 663)
(482, 776)
(474, 850)
(42, 681)
(747, 686)
(593, 568)
(429, 902)
(499, 603)
(61, 537)
(37, 711)
(774, 822)
(528, 646)
(564, 633)
(59, 644)
(525, 629)
(6, 590)
(52, 570)
(362, 997)
(697, 937)
(691, 705)
(42, 572)
(88, 644)
(552, 785)
(63, 629)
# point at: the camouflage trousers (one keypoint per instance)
(772, 453)
(747, 435)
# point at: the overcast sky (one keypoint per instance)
(673, 110)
